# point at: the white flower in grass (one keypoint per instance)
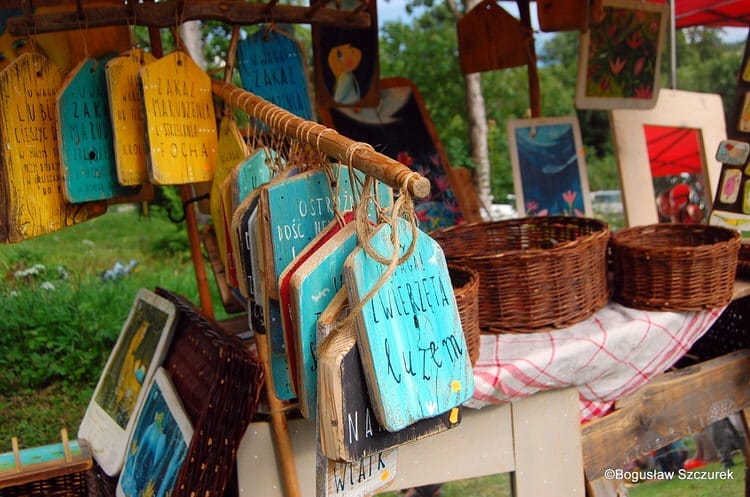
(34, 270)
(62, 272)
(88, 242)
(13, 293)
(47, 286)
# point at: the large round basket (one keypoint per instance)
(534, 272)
(675, 267)
(465, 283)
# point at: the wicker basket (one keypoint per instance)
(743, 261)
(675, 267)
(534, 272)
(465, 283)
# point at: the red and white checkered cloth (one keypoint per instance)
(606, 356)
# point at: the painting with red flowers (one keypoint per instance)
(618, 65)
(549, 172)
(400, 128)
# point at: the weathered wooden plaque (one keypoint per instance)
(85, 135)
(413, 348)
(30, 174)
(225, 191)
(251, 172)
(305, 293)
(490, 38)
(180, 123)
(349, 428)
(361, 478)
(299, 207)
(126, 114)
(241, 230)
(271, 66)
(232, 149)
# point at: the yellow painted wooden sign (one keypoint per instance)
(180, 121)
(31, 197)
(126, 113)
(232, 149)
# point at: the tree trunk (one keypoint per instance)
(477, 119)
(478, 149)
(190, 33)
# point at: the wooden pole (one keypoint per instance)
(356, 154)
(535, 101)
(191, 223)
(279, 428)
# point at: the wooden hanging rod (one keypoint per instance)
(343, 149)
(165, 14)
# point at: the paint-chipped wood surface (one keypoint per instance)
(30, 174)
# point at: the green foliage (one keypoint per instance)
(59, 325)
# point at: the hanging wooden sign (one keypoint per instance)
(298, 208)
(349, 430)
(180, 123)
(563, 15)
(347, 67)
(271, 65)
(413, 348)
(490, 38)
(30, 177)
(281, 373)
(306, 287)
(241, 246)
(225, 191)
(362, 478)
(126, 114)
(252, 172)
(85, 135)
(232, 150)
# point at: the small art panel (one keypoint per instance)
(618, 63)
(347, 67)
(400, 128)
(678, 174)
(657, 149)
(140, 348)
(159, 444)
(549, 172)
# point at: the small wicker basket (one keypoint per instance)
(534, 272)
(674, 267)
(465, 283)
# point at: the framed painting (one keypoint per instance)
(140, 348)
(619, 58)
(666, 157)
(159, 443)
(549, 171)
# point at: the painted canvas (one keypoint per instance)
(678, 174)
(549, 172)
(139, 349)
(618, 63)
(159, 444)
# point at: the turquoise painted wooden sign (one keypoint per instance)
(252, 172)
(280, 371)
(85, 130)
(311, 288)
(301, 206)
(413, 348)
(271, 66)
(38, 455)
